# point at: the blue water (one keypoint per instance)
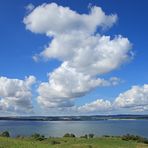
(59, 128)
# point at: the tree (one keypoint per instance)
(91, 135)
(5, 134)
(37, 136)
(69, 135)
(72, 135)
(85, 136)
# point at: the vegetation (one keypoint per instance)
(135, 138)
(69, 140)
(38, 137)
(69, 135)
(5, 134)
(90, 135)
(85, 136)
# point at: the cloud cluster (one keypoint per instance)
(132, 100)
(65, 84)
(136, 98)
(98, 105)
(15, 94)
(89, 54)
(54, 20)
(84, 53)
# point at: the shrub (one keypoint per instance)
(91, 135)
(131, 137)
(55, 142)
(69, 135)
(5, 134)
(72, 135)
(135, 138)
(41, 138)
(37, 136)
(19, 137)
(106, 136)
(145, 141)
(85, 136)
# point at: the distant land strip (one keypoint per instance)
(75, 118)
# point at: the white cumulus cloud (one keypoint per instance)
(66, 83)
(52, 19)
(84, 53)
(135, 98)
(132, 100)
(15, 94)
(89, 54)
(98, 105)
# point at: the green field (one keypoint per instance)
(69, 143)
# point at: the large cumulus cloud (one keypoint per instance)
(83, 52)
(52, 19)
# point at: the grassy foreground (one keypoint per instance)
(67, 142)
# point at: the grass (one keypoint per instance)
(102, 142)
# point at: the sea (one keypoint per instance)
(79, 128)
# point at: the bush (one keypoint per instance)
(85, 136)
(131, 137)
(72, 135)
(37, 136)
(55, 142)
(19, 137)
(69, 135)
(91, 135)
(145, 141)
(106, 136)
(135, 138)
(5, 134)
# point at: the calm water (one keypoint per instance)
(59, 128)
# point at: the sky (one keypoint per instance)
(68, 57)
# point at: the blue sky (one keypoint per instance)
(19, 45)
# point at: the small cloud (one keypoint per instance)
(98, 105)
(90, 5)
(29, 7)
(36, 57)
(115, 81)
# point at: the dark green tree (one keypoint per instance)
(5, 134)
(91, 135)
(69, 135)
